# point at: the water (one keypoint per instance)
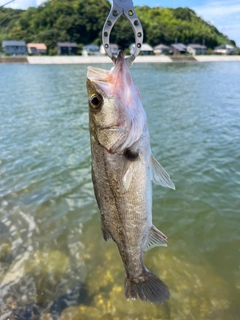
(53, 261)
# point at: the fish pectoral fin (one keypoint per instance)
(105, 233)
(159, 175)
(130, 156)
(127, 174)
(155, 239)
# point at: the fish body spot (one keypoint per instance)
(131, 155)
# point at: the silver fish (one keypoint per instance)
(123, 169)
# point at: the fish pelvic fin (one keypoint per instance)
(155, 239)
(160, 176)
(105, 233)
(148, 288)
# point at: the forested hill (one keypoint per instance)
(81, 21)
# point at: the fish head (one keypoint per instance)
(117, 118)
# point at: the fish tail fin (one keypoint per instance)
(148, 288)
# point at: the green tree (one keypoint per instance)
(81, 21)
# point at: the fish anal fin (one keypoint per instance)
(159, 175)
(105, 232)
(155, 239)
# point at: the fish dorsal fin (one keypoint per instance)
(155, 239)
(159, 175)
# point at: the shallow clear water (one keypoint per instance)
(53, 260)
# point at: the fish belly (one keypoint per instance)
(125, 214)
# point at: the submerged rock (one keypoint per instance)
(39, 286)
(196, 292)
(43, 285)
(80, 313)
(5, 250)
(48, 269)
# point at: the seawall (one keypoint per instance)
(139, 59)
(104, 59)
(13, 60)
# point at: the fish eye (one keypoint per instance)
(95, 102)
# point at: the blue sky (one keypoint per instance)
(224, 14)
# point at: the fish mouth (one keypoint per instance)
(120, 58)
(114, 81)
(96, 74)
(112, 128)
(120, 64)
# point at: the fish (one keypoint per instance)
(123, 170)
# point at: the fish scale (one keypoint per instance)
(122, 172)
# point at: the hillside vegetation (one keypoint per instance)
(81, 21)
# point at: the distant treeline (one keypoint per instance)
(81, 21)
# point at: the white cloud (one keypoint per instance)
(21, 4)
(40, 2)
(224, 14)
(219, 8)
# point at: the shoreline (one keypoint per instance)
(106, 59)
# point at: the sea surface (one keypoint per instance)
(54, 263)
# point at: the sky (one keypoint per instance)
(223, 14)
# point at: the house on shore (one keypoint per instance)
(161, 49)
(178, 48)
(113, 48)
(14, 48)
(196, 49)
(36, 48)
(91, 50)
(225, 49)
(146, 49)
(67, 48)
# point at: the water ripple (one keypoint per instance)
(50, 246)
